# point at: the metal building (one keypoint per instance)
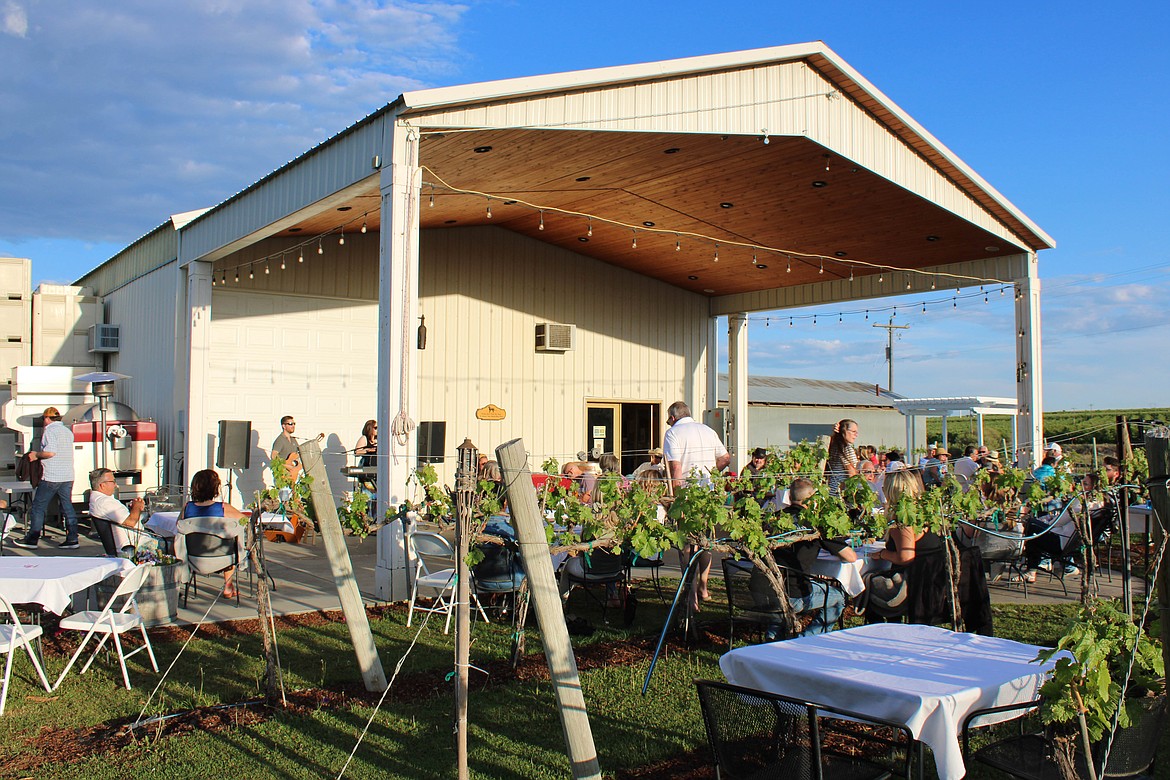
(634, 205)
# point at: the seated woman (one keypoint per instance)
(205, 513)
(1053, 543)
(918, 554)
(366, 451)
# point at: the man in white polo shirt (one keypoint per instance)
(103, 505)
(56, 456)
(692, 452)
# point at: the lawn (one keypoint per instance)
(514, 731)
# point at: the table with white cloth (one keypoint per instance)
(51, 581)
(164, 523)
(926, 678)
(849, 573)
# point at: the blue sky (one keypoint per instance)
(116, 114)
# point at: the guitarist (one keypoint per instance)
(285, 444)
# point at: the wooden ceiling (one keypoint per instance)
(789, 194)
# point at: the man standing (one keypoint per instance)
(56, 455)
(285, 444)
(692, 451)
(103, 505)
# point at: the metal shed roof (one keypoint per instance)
(793, 391)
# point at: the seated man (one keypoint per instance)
(103, 505)
(824, 602)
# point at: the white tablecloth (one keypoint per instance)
(163, 523)
(51, 580)
(1139, 519)
(926, 678)
(849, 573)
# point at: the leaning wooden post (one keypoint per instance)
(550, 615)
(343, 577)
(1158, 455)
(465, 476)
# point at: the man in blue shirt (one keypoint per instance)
(56, 456)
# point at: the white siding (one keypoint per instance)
(145, 312)
(482, 291)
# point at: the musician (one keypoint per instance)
(285, 444)
(366, 448)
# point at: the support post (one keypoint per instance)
(273, 684)
(197, 444)
(562, 666)
(1029, 388)
(339, 562)
(465, 474)
(1158, 455)
(1124, 453)
(737, 389)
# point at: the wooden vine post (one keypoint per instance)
(343, 577)
(562, 665)
(1158, 455)
(465, 478)
(273, 685)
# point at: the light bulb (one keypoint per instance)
(589, 229)
(320, 247)
(250, 274)
(266, 270)
(788, 268)
(542, 220)
(822, 267)
(489, 210)
(341, 239)
(716, 253)
(677, 244)
(237, 275)
(880, 277)
(282, 262)
(364, 228)
(432, 198)
(634, 241)
(851, 275)
(301, 256)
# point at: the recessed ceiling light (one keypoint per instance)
(449, 222)
(991, 248)
(509, 203)
(726, 205)
(932, 238)
(818, 184)
(708, 290)
(583, 239)
(672, 150)
(482, 149)
(840, 253)
(295, 230)
(345, 208)
(761, 265)
(648, 223)
(584, 178)
(692, 278)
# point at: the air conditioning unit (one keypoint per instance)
(104, 338)
(554, 338)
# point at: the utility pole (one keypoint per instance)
(890, 328)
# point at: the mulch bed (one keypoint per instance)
(57, 745)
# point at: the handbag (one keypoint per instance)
(886, 593)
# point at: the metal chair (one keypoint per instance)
(755, 734)
(105, 532)
(13, 636)
(443, 580)
(113, 621)
(209, 554)
(499, 575)
(744, 606)
(599, 567)
(635, 561)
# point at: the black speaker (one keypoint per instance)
(235, 439)
(432, 440)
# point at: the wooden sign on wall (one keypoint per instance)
(490, 412)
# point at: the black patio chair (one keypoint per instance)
(755, 734)
(601, 568)
(746, 606)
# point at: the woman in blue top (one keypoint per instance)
(205, 513)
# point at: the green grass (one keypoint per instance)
(513, 728)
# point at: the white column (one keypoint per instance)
(979, 424)
(397, 367)
(944, 430)
(199, 439)
(711, 397)
(1029, 388)
(737, 389)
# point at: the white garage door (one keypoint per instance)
(314, 358)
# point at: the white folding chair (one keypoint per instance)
(12, 636)
(444, 580)
(112, 621)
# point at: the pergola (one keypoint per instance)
(977, 405)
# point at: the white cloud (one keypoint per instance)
(14, 19)
(141, 109)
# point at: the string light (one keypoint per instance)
(320, 246)
(677, 243)
(867, 315)
(716, 253)
(250, 274)
(907, 281)
(237, 276)
(851, 274)
(282, 261)
(634, 241)
(881, 277)
(364, 228)
(822, 267)
(341, 239)
(432, 197)
(213, 282)
(489, 208)
(956, 303)
(542, 220)
(224, 280)
(840, 318)
(924, 307)
(814, 320)
(266, 269)
(589, 230)
(301, 256)
(754, 261)
(788, 269)
(932, 282)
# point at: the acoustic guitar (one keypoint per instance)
(294, 468)
(293, 465)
